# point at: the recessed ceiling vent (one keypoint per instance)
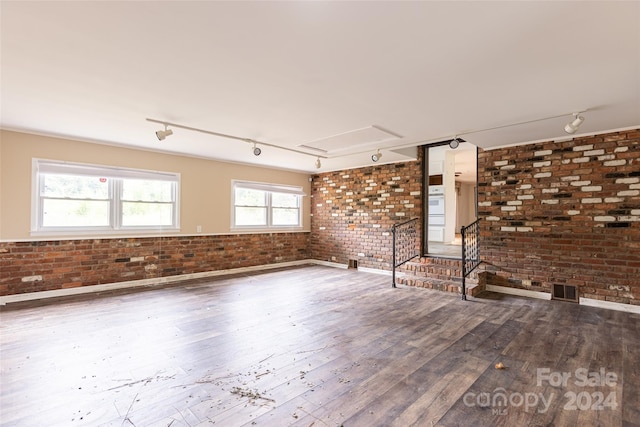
(355, 140)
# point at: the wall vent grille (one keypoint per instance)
(565, 293)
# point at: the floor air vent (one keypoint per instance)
(565, 293)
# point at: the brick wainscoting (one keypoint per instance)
(564, 213)
(59, 264)
(353, 212)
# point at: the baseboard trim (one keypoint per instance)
(628, 308)
(7, 299)
(327, 263)
(518, 292)
(375, 271)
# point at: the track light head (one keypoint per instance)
(162, 134)
(572, 127)
(454, 143)
(256, 150)
(318, 163)
(376, 156)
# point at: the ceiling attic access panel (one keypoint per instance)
(368, 138)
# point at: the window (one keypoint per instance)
(73, 197)
(267, 206)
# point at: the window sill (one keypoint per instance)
(106, 234)
(262, 230)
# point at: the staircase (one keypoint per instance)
(442, 274)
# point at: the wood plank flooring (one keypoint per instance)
(315, 346)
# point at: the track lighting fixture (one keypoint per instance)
(376, 156)
(162, 134)
(454, 143)
(575, 124)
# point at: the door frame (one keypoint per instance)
(424, 240)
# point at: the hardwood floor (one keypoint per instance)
(315, 346)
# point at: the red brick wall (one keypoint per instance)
(564, 213)
(550, 213)
(48, 265)
(353, 212)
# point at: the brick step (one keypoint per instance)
(443, 274)
(437, 268)
(419, 267)
(452, 263)
(438, 261)
(455, 286)
(454, 276)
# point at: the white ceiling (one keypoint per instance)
(295, 74)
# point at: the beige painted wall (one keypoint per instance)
(2, 190)
(205, 184)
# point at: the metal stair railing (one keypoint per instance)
(405, 244)
(470, 252)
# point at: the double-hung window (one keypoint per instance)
(266, 206)
(81, 198)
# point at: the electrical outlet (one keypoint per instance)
(199, 228)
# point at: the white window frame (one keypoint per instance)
(116, 176)
(269, 189)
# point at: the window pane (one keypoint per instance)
(281, 200)
(140, 213)
(249, 197)
(76, 187)
(265, 205)
(74, 213)
(147, 190)
(82, 197)
(285, 216)
(251, 216)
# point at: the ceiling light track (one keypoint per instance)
(256, 150)
(570, 128)
(575, 115)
